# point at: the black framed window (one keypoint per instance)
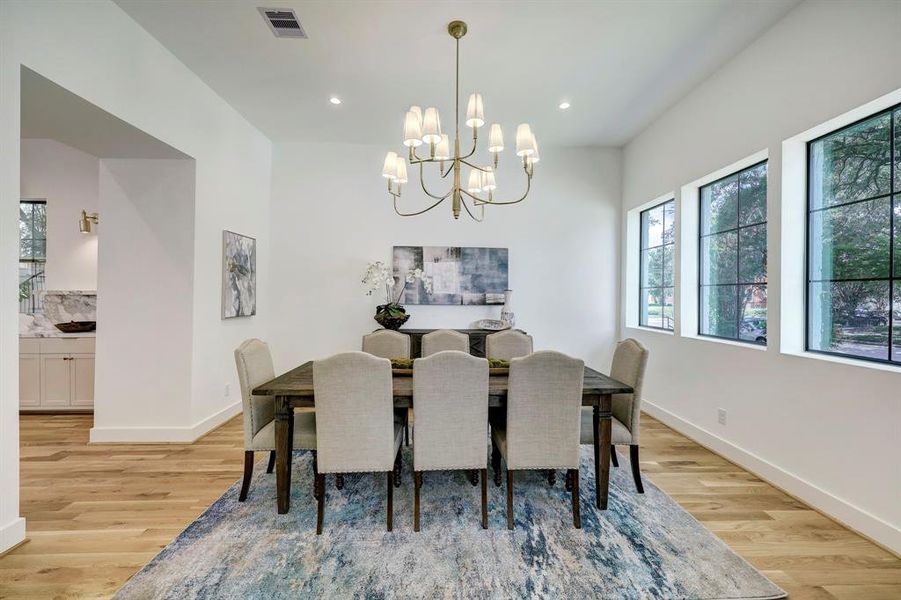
(854, 240)
(732, 262)
(32, 253)
(656, 273)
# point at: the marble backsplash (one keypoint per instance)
(60, 306)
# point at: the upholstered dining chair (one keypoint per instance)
(444, 339)
(355, 427)
(385, 343)
(629, 362)
(541, 432)
(450, 392)
(254, 363)
(508, 344)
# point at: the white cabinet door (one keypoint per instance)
(29, 380)
(56, 380)
(82, 381)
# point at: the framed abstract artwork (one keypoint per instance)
(239, 275)
(458, 275)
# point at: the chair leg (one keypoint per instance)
(417, 484)
(315, 473)
(407, 427)
(577, 516)
(390, 479)
(636, 469)
(551, 477)
(484, 478)
(320, 501)
(339, 481)
(271, 464)
(509, 499)
(474, 477)
(248, 473)
(398, 467)
(613, 458)
(496, 464)
(568, 485)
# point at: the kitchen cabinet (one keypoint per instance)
(56, 374)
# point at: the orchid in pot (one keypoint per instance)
(378, 275)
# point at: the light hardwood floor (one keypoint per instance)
(96, 514)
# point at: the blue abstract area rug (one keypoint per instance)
(643, 546)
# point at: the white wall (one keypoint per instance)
(68, 179)
(826, 432)
(96, 51)
(331, 214)
(144, 298)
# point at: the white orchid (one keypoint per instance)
(379, 274)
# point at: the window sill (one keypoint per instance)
(846, 361)
(736, 343)
(651, 329)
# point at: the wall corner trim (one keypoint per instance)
(164, 435)
(873, 528)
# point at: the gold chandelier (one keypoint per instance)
(425, 129)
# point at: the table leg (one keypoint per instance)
(602, 433)
(283, 418)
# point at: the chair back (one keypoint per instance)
(254, 363)
(450, 395)
(629, 362)
(385, 343)
(354, 399)
(444, 339)
(544, 403)
(508, 344)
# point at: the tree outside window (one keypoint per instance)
(854, 240)
(733, 257)
(656, 259)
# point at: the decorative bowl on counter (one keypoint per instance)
(493, 324)
(77, 326)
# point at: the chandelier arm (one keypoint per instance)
(475, 141)
(450, 168)
(483, 169)
(472, 216)
(428, 193)
(413, 214)
(496, 203)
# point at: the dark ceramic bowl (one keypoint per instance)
(77, 326)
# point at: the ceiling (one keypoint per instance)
(53, 112)
(620, 64)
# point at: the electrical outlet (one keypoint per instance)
(721, 416)
(228, 390)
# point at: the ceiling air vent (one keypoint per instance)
(283, 22)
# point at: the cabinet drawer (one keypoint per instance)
(29, 346)
(83, 345)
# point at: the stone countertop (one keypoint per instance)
(48, 333)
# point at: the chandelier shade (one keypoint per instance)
(431, 126)
(495, 138)
(413, 129)
(424, 129)
(390, 169)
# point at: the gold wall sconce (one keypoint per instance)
(84, 223)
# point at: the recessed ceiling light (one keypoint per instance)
(564, 105)
(335, 100)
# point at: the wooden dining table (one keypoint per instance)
(295, 389)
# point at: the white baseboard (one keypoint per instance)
(853, 517)
(12, 534)
(163, 435)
